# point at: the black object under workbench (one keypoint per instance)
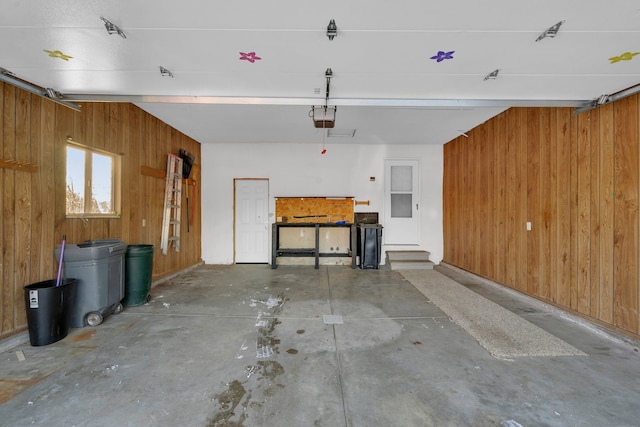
(369, 245)
(276, 251)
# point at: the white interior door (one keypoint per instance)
(402, 202)
(252, 220)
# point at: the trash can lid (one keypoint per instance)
(102, 242)
(139, 248)
(91, 250)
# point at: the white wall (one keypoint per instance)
(301, 170)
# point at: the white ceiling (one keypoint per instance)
(385, 84)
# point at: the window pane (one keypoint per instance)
(101, 189)
(75, 180)
(401, 206)
(401, 178)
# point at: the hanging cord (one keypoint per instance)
(324, 120)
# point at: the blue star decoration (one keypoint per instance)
(441, 56)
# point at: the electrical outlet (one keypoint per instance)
(528, 225)
(144, 222)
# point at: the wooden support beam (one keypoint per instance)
(156, 173)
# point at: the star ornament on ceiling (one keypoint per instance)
(251, 57)
(441, 55)
(58, 54)
(627, 56)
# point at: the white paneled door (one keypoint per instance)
(402, 202)
(252, 220)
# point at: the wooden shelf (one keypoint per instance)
(18, 165)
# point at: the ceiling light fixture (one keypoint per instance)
(492, 75)
(550, 32)
(113, 28)
(165, 73)
(332, 30)
(55, 96)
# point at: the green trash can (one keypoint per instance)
(137, 275)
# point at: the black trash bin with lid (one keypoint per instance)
(369, 245)
(48, 310)
(138, 273)
(98, 265)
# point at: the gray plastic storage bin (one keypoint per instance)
(98, 266)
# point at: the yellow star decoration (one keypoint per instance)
(58, 54)
(627, 56)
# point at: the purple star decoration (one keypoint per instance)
(251, 57)
(441, 56)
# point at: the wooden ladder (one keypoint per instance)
(172, 205)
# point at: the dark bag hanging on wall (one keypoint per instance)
(187, 162)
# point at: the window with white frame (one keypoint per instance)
(93, 182)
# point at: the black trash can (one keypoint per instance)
(48, 310)
(369, 245)
(138, 271)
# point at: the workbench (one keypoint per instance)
(313, 248)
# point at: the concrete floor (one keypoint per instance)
(246, 345)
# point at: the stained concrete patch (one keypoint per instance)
(502, 333)
(9, 388)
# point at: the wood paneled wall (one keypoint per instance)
(34, 131)
(575, 178)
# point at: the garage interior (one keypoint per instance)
(523, 124)
(249, 345)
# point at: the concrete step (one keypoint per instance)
(409, 260)
(408, 255)
(410, 265)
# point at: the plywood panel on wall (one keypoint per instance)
(314, 209)
(576, 179)
(34, 131)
